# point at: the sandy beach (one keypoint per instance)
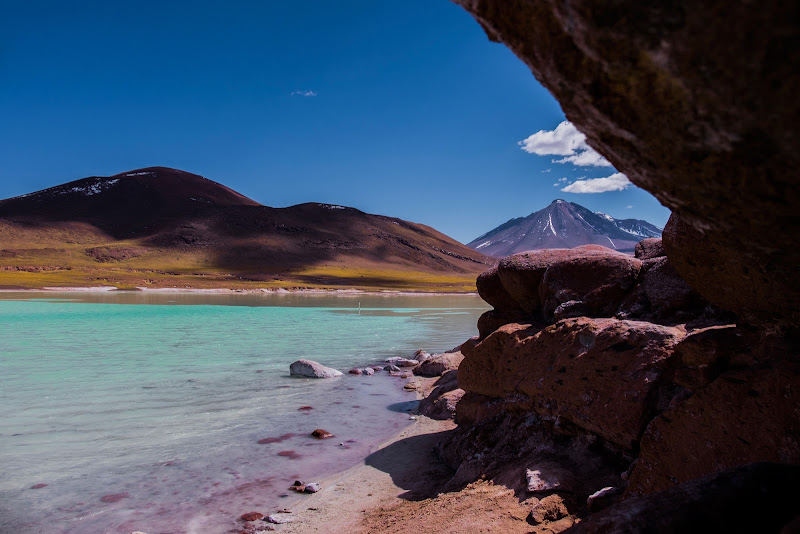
(397, 489)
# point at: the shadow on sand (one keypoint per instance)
(414, 465)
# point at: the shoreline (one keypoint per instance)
(223, 291)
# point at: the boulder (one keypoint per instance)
(596, 277)
(491, 289)
(649, 248)
(439, 364)
(696, 104)
(666, 292)
(606, 376)
(491, 320)
(442, 401)
(551, 508)
(312, 369)
(597, 280)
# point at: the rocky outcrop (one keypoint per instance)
(542, 286)
(442, 401)
(602, 375)
(697, 104)
(312, 369)
(751, 498)
(651, 389)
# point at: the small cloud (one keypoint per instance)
(628, 207)
(615, 182)
(307, 92)
(567, 141)
(563, 179)
(556, 184)
(548, 170)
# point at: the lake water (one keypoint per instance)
(129, 411)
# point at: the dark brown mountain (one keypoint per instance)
(563, 225)
(148, 225)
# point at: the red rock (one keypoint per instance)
(322, 434)
(439, 364)
(292, 455)
(114, 497)
(39, 486)
(649, 248)
(599, 280)
(491, 320)
(603, 375)
(252, 516)
(306, 408)
(355, 371)
(550, 508)
(743, 416)
(491, 289)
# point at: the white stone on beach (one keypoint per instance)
(312, 369)
(313, 487)
(279, 519)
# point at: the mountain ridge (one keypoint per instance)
(137, 227)
(563, 224)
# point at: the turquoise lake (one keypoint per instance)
(127, 411)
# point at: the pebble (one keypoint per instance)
(304, 408)
(312, 487)
(322, 434)
(252, 516)
(355, 371)
(39, 486)
(278, 519)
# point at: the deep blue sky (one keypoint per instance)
(414, 113)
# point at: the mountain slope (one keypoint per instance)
(164, 227)
(563, 225)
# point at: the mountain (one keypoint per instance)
(563, 225)
(165, 227)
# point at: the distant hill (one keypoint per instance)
(563, 225)
(164, 227)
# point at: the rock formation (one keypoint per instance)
(609, 371)
(697, 104)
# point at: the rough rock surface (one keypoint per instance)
(312, 369)
(441, 402)
(439, 364)
(744, 416)
(602, 375)
(695, 103)
(752, 498)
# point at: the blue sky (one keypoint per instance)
(402, 108)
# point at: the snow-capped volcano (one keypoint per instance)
(563, 224)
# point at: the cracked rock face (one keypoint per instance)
(695, 102)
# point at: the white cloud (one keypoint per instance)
(587, 158)
(628, 207)
(615, 182)
(307, 92)
(565, 140)
(565, 179)
(548, 170)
